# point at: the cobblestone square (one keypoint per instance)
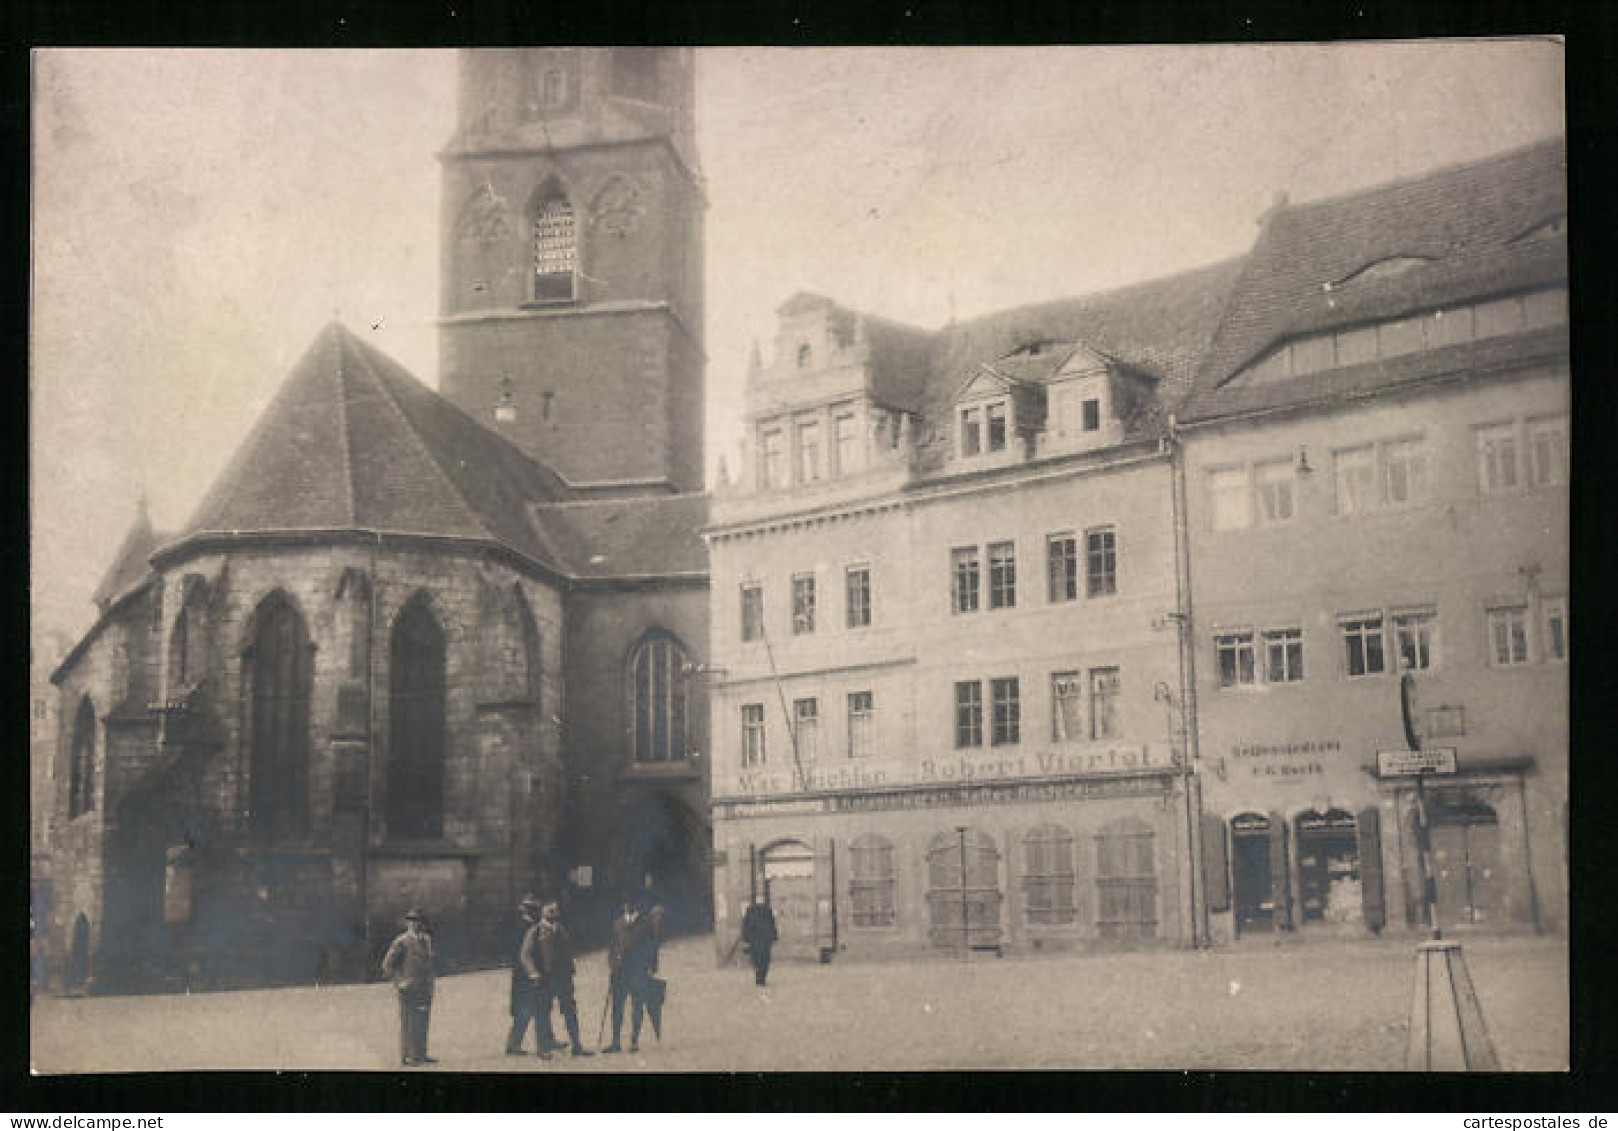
(1314, 1006)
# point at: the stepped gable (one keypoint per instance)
(352, 441)
(1458, 233)
(131, 565)
(647, 536)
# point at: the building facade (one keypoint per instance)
(1376, 465)
(1087, 621)
(945, 636)
(417, 649)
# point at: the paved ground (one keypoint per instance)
(1322, 1006)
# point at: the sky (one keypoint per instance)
(199, 215)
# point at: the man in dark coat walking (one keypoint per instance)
(409, 964)
(631, 963)
(759, 935)
(556, 968)
(525, 983)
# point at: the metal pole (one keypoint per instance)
(1424, 842)
(966, 944)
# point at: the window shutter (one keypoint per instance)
(825, 897)
(1280, 877)
(1215, 863)
(1370, 848)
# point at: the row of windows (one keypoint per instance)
(860, 740)
(1414, 333)
(1084, 707)
(857, 607)
(1390, 473)
(1070, 721)
(1122, 867)
(812, 459)
(1244, 656)
(967, 571)
(278, 681)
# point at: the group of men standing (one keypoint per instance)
(542, 973)
(542, 968)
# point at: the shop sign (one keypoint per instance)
(1285, 759)
(998, 793)
(1413, 763)
(1081, 760)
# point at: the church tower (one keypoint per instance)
(572, 262)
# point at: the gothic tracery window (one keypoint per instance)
(415, 809)
(81, 772)
(280, 677)
(658, 681)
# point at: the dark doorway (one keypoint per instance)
(1329, 867)
(1252, 885)
(963, 890)
(1466, 863)
(664, 856)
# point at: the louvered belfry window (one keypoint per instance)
(281, 677)
(555, 251)
(416, 734)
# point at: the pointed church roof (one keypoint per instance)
(352, 441)
(131, 565)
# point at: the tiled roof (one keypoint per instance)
(1467, 223)
(131, 564)
(653, 535)
(353, 442)
(1161, 328)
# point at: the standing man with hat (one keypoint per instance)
(556, 966)
(525, 983)
(409, 963)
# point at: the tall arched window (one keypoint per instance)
(81, 795)
(416, 732)
(188, 639)
(871, 882)
(1048, 875)
(556, 247)
(658, 679)
(280, 670)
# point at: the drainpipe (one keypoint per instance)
(1191, 779)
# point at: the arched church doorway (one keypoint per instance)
(1252, 885)
(78, 957)
(787, 881)
(1329, 867)
(664, 854)
(1466, 861)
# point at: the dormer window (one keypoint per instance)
(997, 426)
(971, 431)
(804, 356)
(983, 428)
(1092, 414)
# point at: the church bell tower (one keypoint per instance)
(571, 262)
